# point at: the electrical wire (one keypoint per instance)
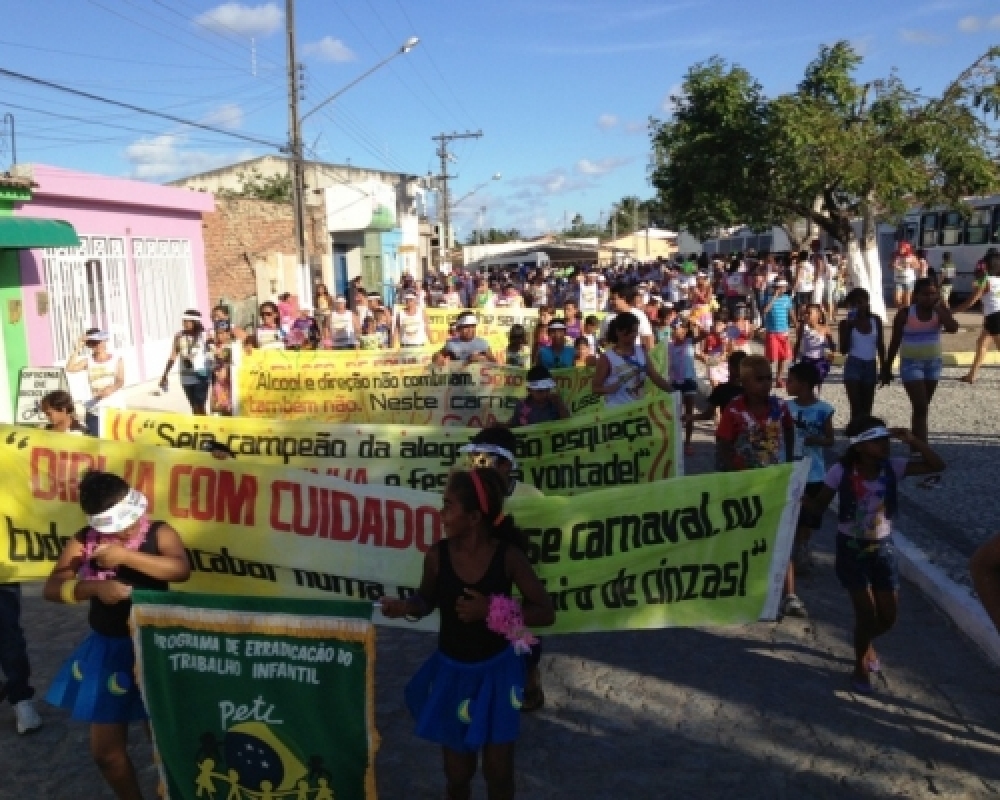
(416, 72)
(138, 109)
(76, 54)
(428, 55)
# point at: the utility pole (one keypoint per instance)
(444, 139)
(295, 156)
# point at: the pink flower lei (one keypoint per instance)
(92, 540)
(506, 618)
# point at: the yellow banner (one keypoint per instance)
(703, 550)
(310, 385)
(493, 323)
(632, 444)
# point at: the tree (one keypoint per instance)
(832, 152)
(274, 188)
(493, 236)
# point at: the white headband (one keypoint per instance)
(493, 450)
(192, 317)
(545, 383)
(466, 319)
(122, 515)
(100, 336)
(875, 433)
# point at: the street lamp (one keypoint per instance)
(405, 48)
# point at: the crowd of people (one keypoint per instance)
(736, 331)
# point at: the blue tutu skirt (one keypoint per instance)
(463, 706)
(97, 682)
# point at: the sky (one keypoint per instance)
(562, 90)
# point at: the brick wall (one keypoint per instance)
(242, 232)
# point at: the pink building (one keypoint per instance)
(140, 264)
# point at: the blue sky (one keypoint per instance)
(562, 89)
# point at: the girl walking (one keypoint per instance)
(467, 696)
(862, 342)
(119, 548)
(814, 344)
(867, 480)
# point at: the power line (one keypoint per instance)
(138, 109)
(427, 52)
(111, 58)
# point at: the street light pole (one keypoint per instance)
(295, 148)
(295, 155)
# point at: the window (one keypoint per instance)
(951, 229)
(978, 231)
(996, 224)
(929, 230)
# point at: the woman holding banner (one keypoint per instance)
(467, 697)
(120, 548)
(623, 368)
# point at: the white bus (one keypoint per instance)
(940, 230)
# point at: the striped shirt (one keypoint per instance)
(921, 338)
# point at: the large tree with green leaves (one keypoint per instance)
(833, 152)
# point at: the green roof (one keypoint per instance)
(25, 233)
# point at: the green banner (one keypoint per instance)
(258, 698)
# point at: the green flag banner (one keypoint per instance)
(258, 698)
(631, 444)
(708, 549)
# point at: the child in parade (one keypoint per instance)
(583, 353)
(866, 480)
(467, 696)
(303, 334)
(59, 409)
(120, 548)
(221, 361)
(862, 342)
(755, 430)
(723, 394)
(683, 378)
(813, 420)
(516, 353)
(814, 344)
(740, 330)
(542, 403)
(714, 349)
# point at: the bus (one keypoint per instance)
(941, 230)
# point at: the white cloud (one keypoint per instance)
(163, 158)
(555, 181)
(976, 24)
(914, 36)
(260, 20)
(863, 45)
(228, 116)
(637, 126)
(602, 167)
(669, 104)
(329, 49)
(607, 121)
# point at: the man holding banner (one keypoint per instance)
(467, 348)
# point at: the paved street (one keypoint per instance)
(761, 711)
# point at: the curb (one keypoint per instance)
(952, 598)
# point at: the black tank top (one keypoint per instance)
(113, 620)
(469, 641)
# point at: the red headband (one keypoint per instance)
(484, 503)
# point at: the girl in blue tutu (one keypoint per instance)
(468, 695)
(120, 548)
